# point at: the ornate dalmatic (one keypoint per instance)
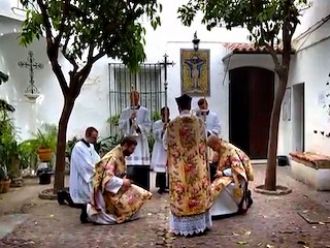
(126, 202)
(241, 168)
(187, 165)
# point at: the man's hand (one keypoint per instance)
(165, 126)
(126, 183)
(133, 115)
(219, 174)
(215, 157)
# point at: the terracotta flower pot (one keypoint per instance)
(4, 186)
(45, 154)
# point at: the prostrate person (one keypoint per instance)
(230, 185)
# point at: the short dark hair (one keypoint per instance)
(163, 110)
(90, 130)
(128, 140)
(201, 101)
(185, 106)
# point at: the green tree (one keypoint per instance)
(84, 31)
(271, 23)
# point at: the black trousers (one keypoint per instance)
(140, 175)
(161, 180)
(213, 170)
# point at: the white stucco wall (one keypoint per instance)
(92, 106)
(311, 66)
(26, 114)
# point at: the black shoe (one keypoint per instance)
(61, 197)
(83, 215)
(160, 191)
(249, 198)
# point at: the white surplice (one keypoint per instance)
(102, 217)
(83, 160)
(159, 154)
(141, 155)
(212, 123)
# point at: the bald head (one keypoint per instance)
(214, 142)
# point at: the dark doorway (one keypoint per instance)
(251, 94)
(298, 117)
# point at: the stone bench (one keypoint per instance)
(311, 168)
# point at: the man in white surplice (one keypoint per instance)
(159, 154)
(210, 118)
(135, 120)
(83, 159)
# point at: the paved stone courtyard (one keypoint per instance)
(271, 222)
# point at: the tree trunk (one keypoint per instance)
(270, 180)
(61, 143)
(283, 73)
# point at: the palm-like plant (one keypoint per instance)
(46, 137)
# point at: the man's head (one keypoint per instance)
(135, 98)
(184, 102)
(165, 112)
(128, 144)
(91, 135)
(202, 104)
(214, 142)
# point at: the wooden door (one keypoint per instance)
(251, 95)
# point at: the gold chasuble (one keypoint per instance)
(124, 204)
(188, 171)
(240, 165)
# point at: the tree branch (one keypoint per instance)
(98, 56)
(90, 52)
(273, 53)
(69, 58)
(45, 16)
(78, 80)
(60, 76)
(65, 8)
(52, 49)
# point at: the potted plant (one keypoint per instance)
(8, 144)
(114, 120)
(69, 146)
(45, 140)
(105, 145)
(4, 180)
(28, 155)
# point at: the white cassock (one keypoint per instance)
(159, 154)
(212, 123)
(83, 160)
(141, 155)
(113, 186)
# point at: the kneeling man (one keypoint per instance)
(114, 198)
(229, 188)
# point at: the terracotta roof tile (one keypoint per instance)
(237, 47)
